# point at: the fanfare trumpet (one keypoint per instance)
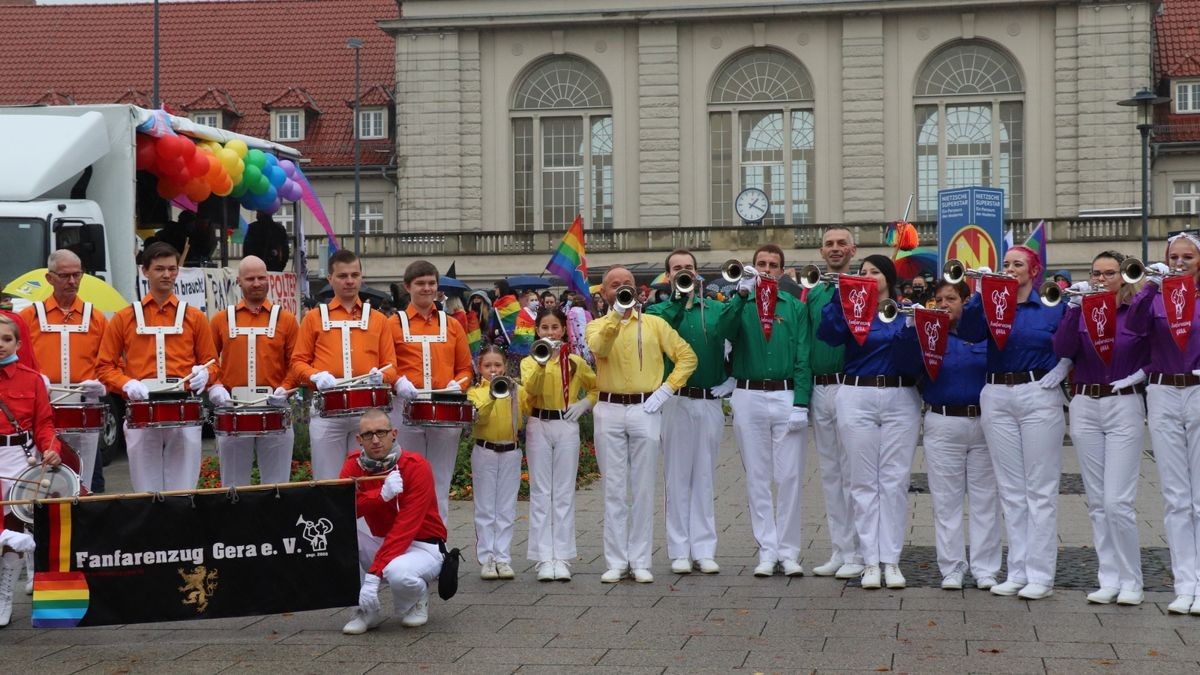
(1132, 270)
(683, 283)
(890, 310)
(811, 276)
(502, 386)
(733, 271)
(543, 350)
(955, 271)
(626, 299)
(1051, 294)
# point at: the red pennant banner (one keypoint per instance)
(859, 297)
(933, 329)
(766, 297)
(999, 306)
(1179, 301)
(1100, 318)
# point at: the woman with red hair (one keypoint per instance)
(1023, 424)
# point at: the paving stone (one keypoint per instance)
(770, 661)
(457, 640)
(255, 653)
(549, 627)
(1145, 636)
(973, 663)
(677, 658)
(549, 656)
(1074, 666)
(841, 645)
(580, 600)
(1081, 650)
(380, 653)
(633, 640)
(137, 665)
(583, 670)
(121, 652)
(1135, 652)
(474, 668)
(799, 642)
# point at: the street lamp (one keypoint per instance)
(356, 44)
(1144, 101)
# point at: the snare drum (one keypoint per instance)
(251, 421)
(441, 410)
(352, 401)
(79, 418)
(164, 414)
(59, 481)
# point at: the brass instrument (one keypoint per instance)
(683, 283)
(811, 277)
(733, 271)
(502, 387)
(890, 310)
(955, 271)
(1051, 294)
(626, 299)
(1132, 271)
(544, 350)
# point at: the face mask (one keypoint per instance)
(534, 305)
(11, 358)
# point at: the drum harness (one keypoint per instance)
(64, 331)
(425, 341)
(345, 326)
(160, 334)
(253, 333)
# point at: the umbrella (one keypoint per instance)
(33, 287)
(921, 261)
(527, 281)
(364, 292)
(452, 286)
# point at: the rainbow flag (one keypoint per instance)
(569, 262)
(474, 334)
(60, 596)
(504, 314)
(1037, 242)
(523, 336)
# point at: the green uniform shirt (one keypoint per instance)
(824, 358)
(785, 357)
(709, 347)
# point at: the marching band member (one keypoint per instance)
(845, 562)
(1173, 406)
(431, 353)
(495, 464)
(552, 448)
(156, 338)
(401, 538)
(255, 339)
(878, 417)
(956, 453)
(348, 337)
(65, 333)
(1023, 425)
(692, 424)
(629, 348)
(770, 410)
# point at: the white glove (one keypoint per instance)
(1156, 271)
(453, 385)
(984, 269)
(1055, 377)
(278, 398)
(724, 389)
(199, 379)
(92, 388)
(577, 409)
(392, 486)
(1138, 377)
(405, 389)
(1077, 300)
(368, 595)
(798, 419)
(910, 321)
(747, 284)
(323, 380)
(219, 396)
(657, 399)
(17, 541)
(136, 391)
(374, 377)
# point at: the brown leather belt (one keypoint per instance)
(955, 410)
(1105, 390)
(764, 385)
(826, 380)
(696, 392)
(498, 447)
(624, 399)
(543, 414)
(879, 381)
(1010, 379)
(20, 439)
(1174, 379)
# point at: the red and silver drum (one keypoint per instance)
(79, 418)
(440, 410)
(164, 414)
(251, 421)
(352, 401)
(41, 482)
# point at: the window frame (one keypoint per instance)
(1193, 97)
(203, 117)
(367, 218)
(286, 216)
(587, 117)
(1193, 196)
(276, 120)
(383, 123)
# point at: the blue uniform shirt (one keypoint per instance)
(961, 378)
(872, 357)
(1030, 345)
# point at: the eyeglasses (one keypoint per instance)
(1109, 274)
(372, 435)
(69, 277)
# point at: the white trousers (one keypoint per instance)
(274, 454)
(331, 440)
(835, 474)
(1108, 436)
(959, 465)
(495, 480)
(439, 447)
(552, 453)
(409, 574)
(878, 427)
(1174, 421)
(1023, 425)
(771, 454)
(627, 441)
(163, 459)
(86, 445)
(691, 440)
(12, 463)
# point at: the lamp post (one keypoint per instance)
(1144, 101)
(356, 44)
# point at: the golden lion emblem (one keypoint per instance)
(198, 586)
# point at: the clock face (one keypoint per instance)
(752, 205)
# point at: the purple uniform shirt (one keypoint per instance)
(1071, 340)
(1148, 317)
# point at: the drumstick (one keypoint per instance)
(446, 390)
(70, 388)
(359, 378)
(56, 399)
(39, 483)
(261, 400)
(179, 384)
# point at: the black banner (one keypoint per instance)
(203, 556)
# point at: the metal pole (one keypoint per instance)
(357, 158)
(154, 100)
(1145, 129)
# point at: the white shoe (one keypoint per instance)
(893, 577)
(505, 571)
(1130, 598)
(828, 569)
(488, 571)
(870, 577)
(952, 581)
(1195, 611)
(10, 569)
(642, 575)
(985, 583)
(1103, 595)
(765, 568)
(1181, 604)
(850, 571)
(545, 570)
(362, 622)
(708, 566)
(1035, 592)
(1007, 588)
(681, 566)
(419, 614)
(612, 576)
(792, 568)
(562, 570)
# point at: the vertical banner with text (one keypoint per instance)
(971, 226)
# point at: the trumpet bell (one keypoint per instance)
(1132, 271)
(502, 387)
(954, 271)
(543, 350)
(810, 276)
(889, 310)
(626, 299)
(732, 271)
(1050, 293)
(683, 283)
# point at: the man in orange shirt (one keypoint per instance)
(255, 339)
(148, 348)
(65, 333)
(349, 338)
(431, 353)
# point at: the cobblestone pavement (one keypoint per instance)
(685, 624)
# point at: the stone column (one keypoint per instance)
(862, 118)
(658, 126)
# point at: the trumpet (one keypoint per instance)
(683, 283)
(626, 299)
(811, 276)
(1132, 271)
(1146, 272)
(955, 271)
(543, 350)
(502, 386)
(1051, 294)
(890, 310)
(733, 271)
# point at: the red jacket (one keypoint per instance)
(413, 514)
(24, 392)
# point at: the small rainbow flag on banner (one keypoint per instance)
(60, 596)
(1037, 242)
(569, 262)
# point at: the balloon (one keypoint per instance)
(167, 189)
(273, 206)
(239, 189)
(271, 194)
(170, 166)
(272, 160)
(197, 190)
(187, 149)
(198, 165)
(169, 147)
(228, 159)
(251, 175)
(147, 158)
(224, 188)
(238, 147)
(275, 175)
(256, 158)
(291, 191)
(215, 170)
(261, 185)
(288, 166)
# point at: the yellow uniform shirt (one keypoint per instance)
(544, 383)
(494, 417)
(614, 343)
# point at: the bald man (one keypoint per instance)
(629, 348)
(255, 340)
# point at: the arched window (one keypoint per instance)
(969, 110)
(562, 146)
(761, 133)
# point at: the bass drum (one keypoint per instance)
(41, 482)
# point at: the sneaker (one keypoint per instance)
(1103, 595)
(985, 583)
(828, 569)
(562, 570)
(1035, 592)
(765, 568)
(952, 581)
(681, 566)
(1007, 588)
(850, 571)
(708, 566)
(612, 576)
(505, 571)
(419, 614)
(362, 622)
(1131, 598)
(545, 570)
(10, 569)
(792, 568)
(1196, 606)
(870, 577)
(1182, 604)
(893, 577)
(488, 571)
(642, 575)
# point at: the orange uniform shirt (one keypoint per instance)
(318, 349)
(449, 360)
(273, 356)
(84, 346)
(123, 345)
